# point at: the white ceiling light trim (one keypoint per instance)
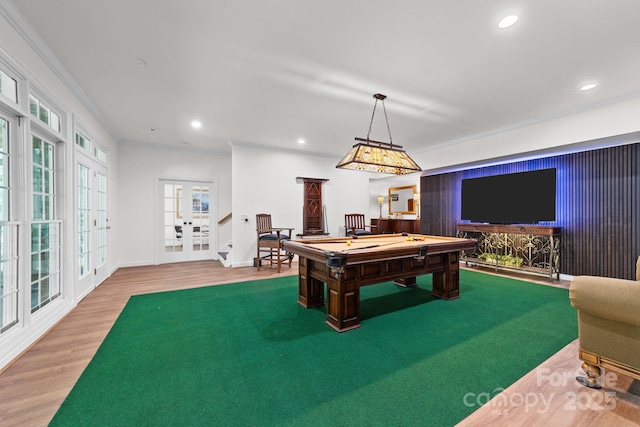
(588, 86)
(507, 21)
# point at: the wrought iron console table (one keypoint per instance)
(528, 248)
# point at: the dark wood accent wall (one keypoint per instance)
(597, 206)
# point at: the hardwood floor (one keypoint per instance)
(35, 385)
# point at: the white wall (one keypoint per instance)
(138, 169)
(264, 181)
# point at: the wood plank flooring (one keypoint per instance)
(35, 385)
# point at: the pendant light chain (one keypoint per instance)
(380, 97)
(387, 120)
(372, 116)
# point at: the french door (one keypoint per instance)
(185, 230)
(92, 224)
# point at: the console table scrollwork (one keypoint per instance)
(532, 249)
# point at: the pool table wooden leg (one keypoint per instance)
(343, 302)
(310, 290)
(446, 284)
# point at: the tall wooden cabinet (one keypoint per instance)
(312, 214)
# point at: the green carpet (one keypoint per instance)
(246, 354)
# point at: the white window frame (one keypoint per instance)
(54, 222)
(51, 105)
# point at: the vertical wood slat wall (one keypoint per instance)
(597, 206)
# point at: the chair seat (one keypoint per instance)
(354, 225)
(274, 237)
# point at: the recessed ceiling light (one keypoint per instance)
(196, 124)
(300, 140)
(588, 86)
(507, 21)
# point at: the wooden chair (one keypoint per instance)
(269, 242)
(354, 225)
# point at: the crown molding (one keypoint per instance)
(33, 39)
(185, 149)
(237, 143)
(526, 123)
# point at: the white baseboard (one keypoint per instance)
(243, 264)
(136, 264)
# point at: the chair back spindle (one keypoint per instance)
(263, 223)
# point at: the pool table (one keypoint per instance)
(346, 263)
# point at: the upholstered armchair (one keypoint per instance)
(608, 325)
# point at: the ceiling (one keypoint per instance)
(267, 73)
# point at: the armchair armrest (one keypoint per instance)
(609, 298)
(279, 232)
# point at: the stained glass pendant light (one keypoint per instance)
(375, 156)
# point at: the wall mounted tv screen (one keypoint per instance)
(515, 198)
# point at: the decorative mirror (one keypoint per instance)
(401, 200)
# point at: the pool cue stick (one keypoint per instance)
(373, 246)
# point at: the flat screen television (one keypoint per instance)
(514, 198)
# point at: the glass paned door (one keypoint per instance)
(101, 225)
(173, 213)
(83, 209)
(84, 236)
(200, 218)
(186, 218)
(92, 224)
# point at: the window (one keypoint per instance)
(8, 276)
(83, 141)
(4, 170)
(101, 154)
(45, 230)
(8, 241)
(47, 116)
(8, 86)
